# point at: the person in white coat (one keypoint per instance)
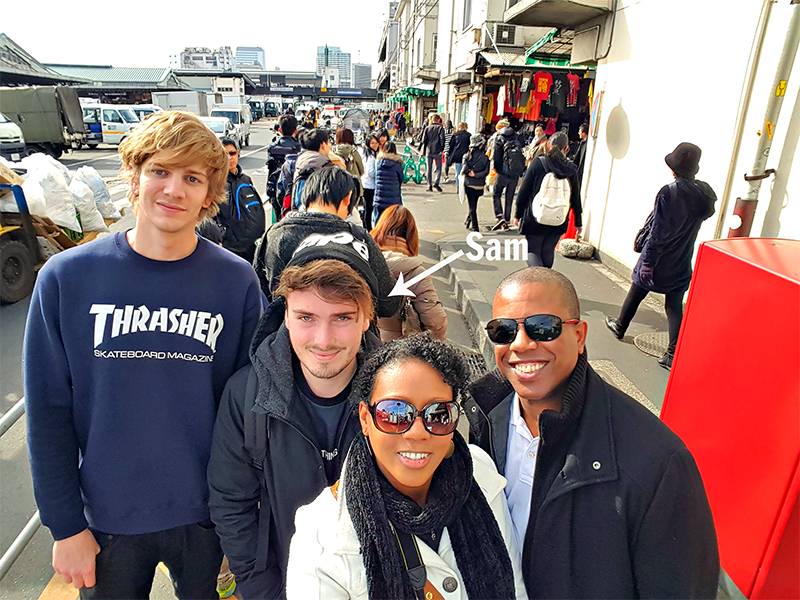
(417, 513)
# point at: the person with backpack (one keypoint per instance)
(327, 200)
(397, 237)
(347, 151)
(389, 178)
(509, 162)
(285, 422)
(242, 217)
(276, 155)
(549, 190)
(476, 167)
(316, 152)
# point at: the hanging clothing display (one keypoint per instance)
(525, 86)
(558, 93)
(574, 85)
(501, 101)
(541, 85)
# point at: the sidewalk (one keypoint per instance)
(601, 291)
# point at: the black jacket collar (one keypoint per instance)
(585, 417)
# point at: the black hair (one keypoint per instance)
(445, 358)
(546, 276)
(584, 128)
(287, 124)
(328, 185)
(389, 148)
(368, 151)
(209, 229)
(383, 133)
(229, 142)
(313, 139)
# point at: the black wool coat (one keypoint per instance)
(680, 209)
(618, 507)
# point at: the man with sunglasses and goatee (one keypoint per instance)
(606, 502)
(285, 423)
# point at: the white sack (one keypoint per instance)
(102, 197)
(40, 162)
(82, 195)
(60, 205)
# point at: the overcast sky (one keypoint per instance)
(136, 34)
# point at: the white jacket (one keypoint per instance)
(325, 561)
(368, 178)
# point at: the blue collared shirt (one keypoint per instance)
(520, 465)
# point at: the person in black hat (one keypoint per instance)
(666, 243)
(285, 422)
(327, 201)
(476, 166)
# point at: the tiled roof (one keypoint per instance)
(109, 74)
(19, 67)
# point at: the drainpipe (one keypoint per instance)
(744, 107)
(745, 208)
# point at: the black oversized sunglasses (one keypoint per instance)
(539, 328)
(397, 416)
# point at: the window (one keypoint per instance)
(91, 116)
(467, 13)
(111, 116)
(419, 52)
(435, 45)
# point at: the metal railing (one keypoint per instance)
(30, 529)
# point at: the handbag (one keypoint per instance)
(410, 320)
(644, 232)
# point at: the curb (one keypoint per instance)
(475, 307)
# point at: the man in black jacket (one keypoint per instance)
(605, 500)
(506, 145)
(326, 196)
(284, 425)
(432, 146)
(276, 156)
(242, 218)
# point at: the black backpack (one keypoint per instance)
(513, 159)
(248, 220)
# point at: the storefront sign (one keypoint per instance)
(281, 89)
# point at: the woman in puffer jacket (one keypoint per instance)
(388, 179)
(412, 494)
(396, 235)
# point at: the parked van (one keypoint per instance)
(239, 115)
(12, 142)
(108, 123)
(145, 110)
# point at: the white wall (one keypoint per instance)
(675, 73)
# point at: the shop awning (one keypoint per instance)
(419, 91)
(555, 13)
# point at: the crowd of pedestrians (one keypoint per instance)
(284, 410)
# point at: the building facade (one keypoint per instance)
(362, 76)
(332, 56)
(250, 56)
(204, 58)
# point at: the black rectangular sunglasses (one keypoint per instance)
(539, 328)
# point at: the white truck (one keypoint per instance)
(239, 115)
(194, 102)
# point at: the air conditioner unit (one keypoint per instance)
(506, 35)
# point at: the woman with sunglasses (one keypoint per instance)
(417, 513)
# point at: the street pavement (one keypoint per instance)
(466, 289)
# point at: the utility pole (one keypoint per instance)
(745, 208)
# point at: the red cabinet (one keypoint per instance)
(734, 398)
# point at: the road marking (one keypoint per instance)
(259, 149)
(106, 157)
(57, 589)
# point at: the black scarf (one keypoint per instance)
(455, 501)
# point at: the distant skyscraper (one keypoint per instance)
(332, 56)
(203, 58)
(247, 55)
(362, 75)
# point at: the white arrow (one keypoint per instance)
(401, 288)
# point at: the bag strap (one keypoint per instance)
(413, 561)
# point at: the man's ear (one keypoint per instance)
(346, 199)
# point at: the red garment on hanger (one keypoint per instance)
(535, 108)
(550, 129)
(541, 85)
(574, 86)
